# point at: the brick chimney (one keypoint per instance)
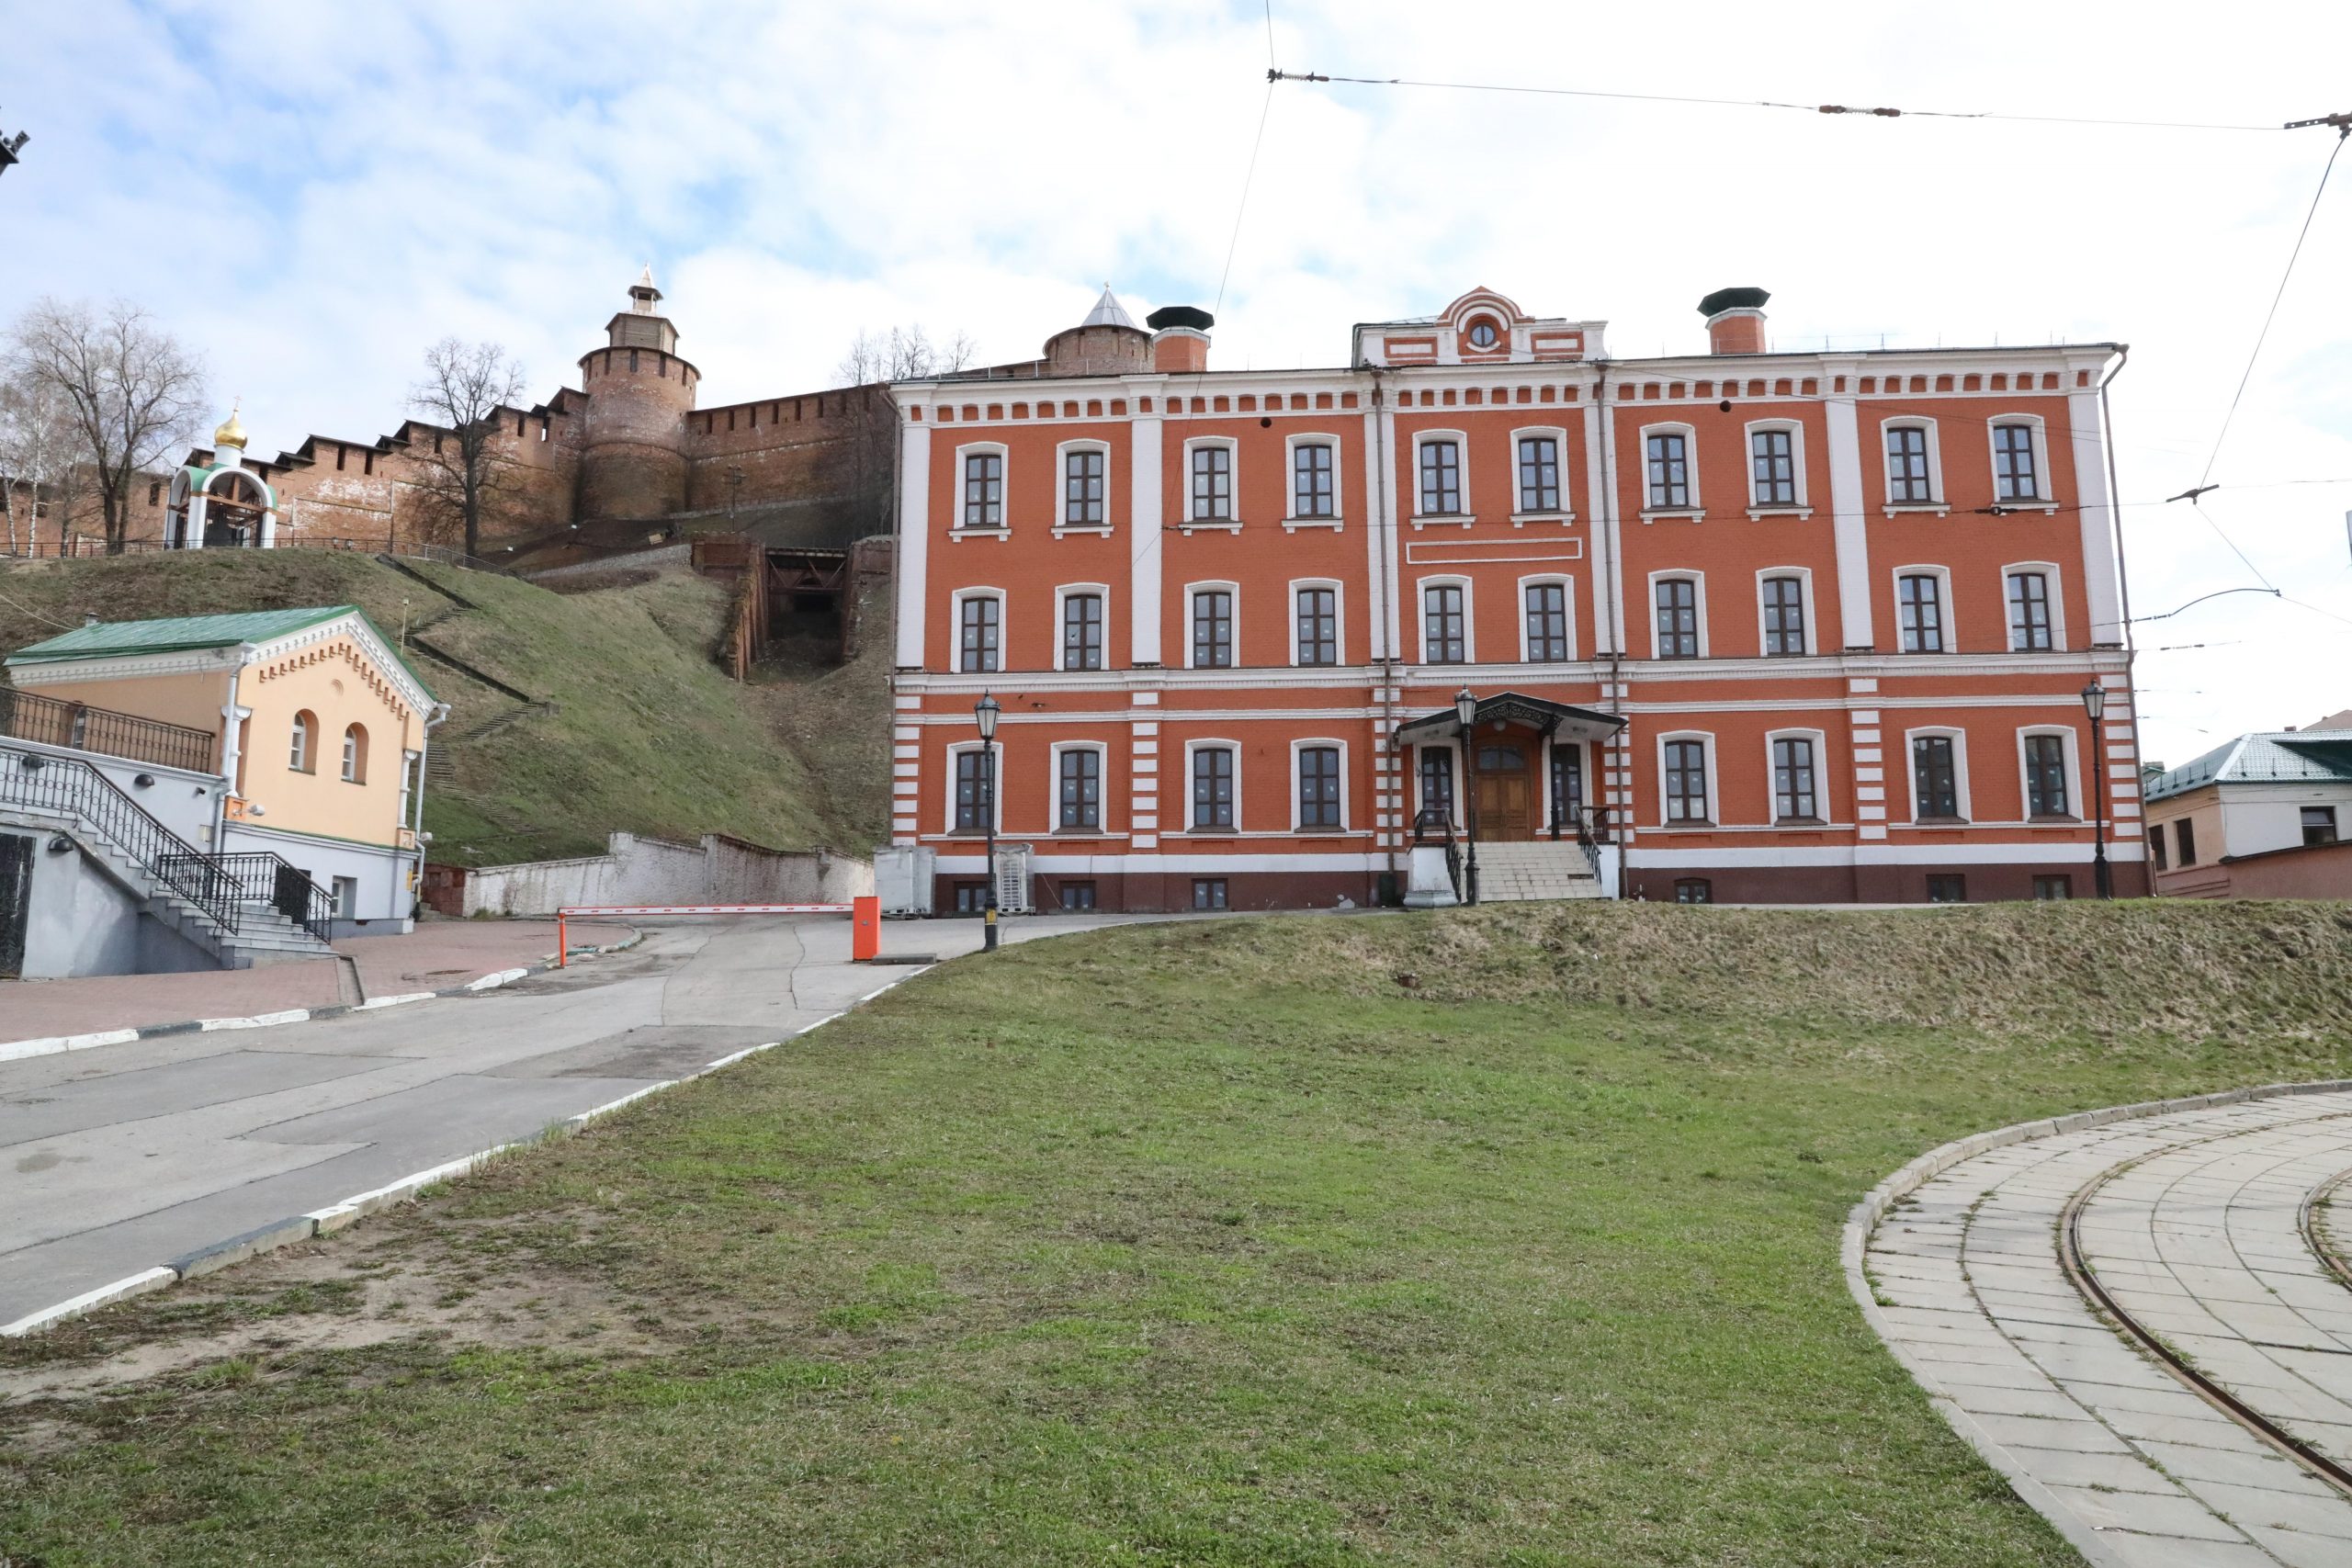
(1734, 320)
(1180, 339)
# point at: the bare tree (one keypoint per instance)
(132, 392)
(41, 459)
(874, 361)
(465, 386)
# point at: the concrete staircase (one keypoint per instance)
(1536, 870)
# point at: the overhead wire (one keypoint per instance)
(1249, 176)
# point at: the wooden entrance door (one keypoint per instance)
(1506, 793)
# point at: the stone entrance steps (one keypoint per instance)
(1536, 870)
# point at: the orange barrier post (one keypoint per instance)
(563, 945)
(865, 929)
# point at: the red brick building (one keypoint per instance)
(1759, 626)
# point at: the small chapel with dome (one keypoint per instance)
(218, 501)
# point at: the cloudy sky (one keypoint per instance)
(311, 193)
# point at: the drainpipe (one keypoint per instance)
(231, 725)
(438, 715)
(1605, 525)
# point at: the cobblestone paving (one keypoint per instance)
(2191, 1225)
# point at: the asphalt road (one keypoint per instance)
(116, 1159)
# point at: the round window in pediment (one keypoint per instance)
(1484, 334)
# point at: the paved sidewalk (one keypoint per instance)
(434, 957)
(2134, 1467)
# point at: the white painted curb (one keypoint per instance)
(90, 1301)
(49, 1045)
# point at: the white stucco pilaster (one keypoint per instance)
(1143, 541)
(1850, 523)
(2102, 583)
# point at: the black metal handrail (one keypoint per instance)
(260, 878)
(70, 785)
(1434, 822)
(30, 716)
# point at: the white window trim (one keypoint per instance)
(1803, 574)
(1054, 788)
(1003, 630)
(1945, 617)
(2053, 584)
(1004, 471)
(1339, 619)
(1211, 585)
(1062, 450)
(1521, 514)
(2044, 480)
(354, 768)
(2069, 759)
(1696, 506)
(1062, 642)
(1184, 805)
(1468, 514)
(1347, 822)
(303, 744)
(1936, 503)
(1421, 586)
(1291, 522)
(1959, 768)
(1567, 586)
(1185, 520)
(1698, 598)
(955, 749)
(1820, 740)
(1451, 749)
(1800, 508)
(1714, 807)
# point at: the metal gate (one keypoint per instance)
(15, 901)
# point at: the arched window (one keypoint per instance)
(302, 756)
(354, 755)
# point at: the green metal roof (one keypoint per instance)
(181, 634)
(2289, 756)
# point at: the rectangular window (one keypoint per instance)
(1213, 629)
(1686, 780)
(1784, 616)
(1693, 890)
(2186, 833)
(1669, 470)
(1437, 784)
(1539, 473)
(2319, 825)
(1773, 458)
(2053, 889)
(2014, 477)
(1213, 786)
(1441, 478)
(1947, 887)
(1920, 604)
(1908, 479)
(1078, 895)
(1310, 480)
(1567, 785)
(1083, 488)
(2029, 612)
(347, 898)
(1935, 780)
(1318, 625)
(2156, 845)
(1792, 791)
(1319, 787)
(972, 784)
(1677, 618)
(978, 654)
(2045, 776)
(1208, 893)
(1212, 483)
(1444, 634)
(1081, 788)
(1083, 631)
(1547, 622)
(984, 489)
(971, 897)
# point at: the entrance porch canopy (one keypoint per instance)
(1553, 720)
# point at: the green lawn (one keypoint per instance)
(1313, 1241)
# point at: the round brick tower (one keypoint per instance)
(633, 451)
(1108, 343)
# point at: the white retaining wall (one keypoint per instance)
(638, 869)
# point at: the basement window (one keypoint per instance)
(1694, 890)
(1947, 887)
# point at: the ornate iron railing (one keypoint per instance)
(75, 789)
(28, 716)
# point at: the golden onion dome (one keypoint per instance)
(231, 434)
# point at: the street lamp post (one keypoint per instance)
(1465, 712)
(986, 711)
(2095, 704)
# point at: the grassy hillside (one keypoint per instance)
(648, 736)
(1314, 1242)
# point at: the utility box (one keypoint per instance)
(1012, 878)
(903, 877)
